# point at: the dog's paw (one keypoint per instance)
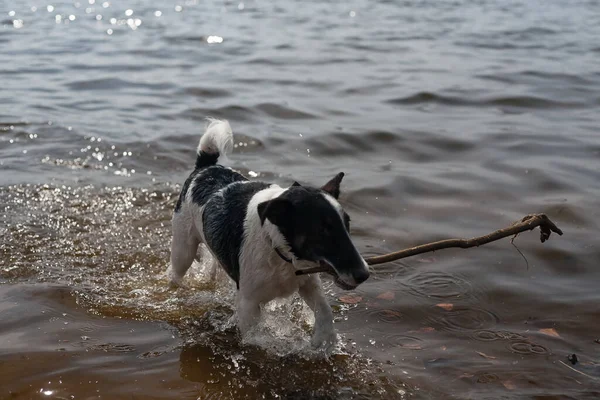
(176, 285)
(324, 340)
(175, 281)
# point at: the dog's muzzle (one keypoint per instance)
(346, 281)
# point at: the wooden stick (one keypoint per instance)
(529, 222)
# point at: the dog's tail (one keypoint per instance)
(217, 140)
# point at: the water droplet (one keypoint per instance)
(157, 13)
(50, 8)
(352, 14)
(241, 6)
(178, 8)
(129, 12)
(109, 31)
(11, 13)
(106, 4)
(71, 17)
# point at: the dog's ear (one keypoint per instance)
(276, 210)
(295, 184)
(333, 186)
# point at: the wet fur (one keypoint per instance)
(243, 222)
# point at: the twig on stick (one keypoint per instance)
(576, 370)
(529, 222)
(512, 241)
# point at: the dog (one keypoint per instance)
(261, 233)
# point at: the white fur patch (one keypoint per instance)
(252, 224)
(335, 204)
(263, 275)
(217, 138)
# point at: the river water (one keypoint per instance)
(449, 118)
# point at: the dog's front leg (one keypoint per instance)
(248, 313)
(323, 335)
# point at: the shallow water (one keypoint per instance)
(450, 118)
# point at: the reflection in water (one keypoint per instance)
(224, 372)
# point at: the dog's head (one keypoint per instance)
(316, 228)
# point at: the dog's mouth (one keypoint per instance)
(336, 278)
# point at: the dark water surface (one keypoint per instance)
(450, 118)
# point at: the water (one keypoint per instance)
(450, 119)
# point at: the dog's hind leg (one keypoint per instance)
(183, 251)
(248, 313)
(212, 267)
(312, 293)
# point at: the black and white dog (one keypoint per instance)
(260, 233)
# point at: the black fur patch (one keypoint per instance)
(223, 221)
(211, 180)
(314, 229)
(208, 181)
(206, 160)
(185, 188)
(203, 160)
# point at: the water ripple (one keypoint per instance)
(524, 102)
(439, 285)
(466, 319)
(115, 84)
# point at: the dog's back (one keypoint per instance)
(224, 217)
(215, 199)
(260, 232)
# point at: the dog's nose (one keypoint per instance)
(361, 275)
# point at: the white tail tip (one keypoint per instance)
(217, 138)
